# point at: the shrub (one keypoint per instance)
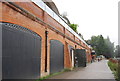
(115, 67)
(118, 74)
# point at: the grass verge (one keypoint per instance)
(48, 76)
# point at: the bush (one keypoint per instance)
(115, 67)
(119, 70)
(74, 27)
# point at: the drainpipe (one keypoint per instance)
(46, 48)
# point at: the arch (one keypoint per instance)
(21, 52)
(55, 38)
(56, 56)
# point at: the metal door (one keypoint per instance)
(80, 56)
(21, 52)
(56, 56)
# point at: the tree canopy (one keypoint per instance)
(117, 51)
(102, 46)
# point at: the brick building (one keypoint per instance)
(36, 41)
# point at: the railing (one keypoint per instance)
(43, 6)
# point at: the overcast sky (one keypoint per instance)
(94, 17)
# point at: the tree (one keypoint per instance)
(74, 27)
(109, 48)
(94, 43)
(117, 51)
(102, 46)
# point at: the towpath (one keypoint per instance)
(95, 70)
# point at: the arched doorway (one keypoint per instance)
(56, 56)
(21, 52)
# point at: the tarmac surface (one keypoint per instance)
(95, 70)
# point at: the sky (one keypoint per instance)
(94, 17)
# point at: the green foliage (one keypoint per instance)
(48, 76)
(115, 69)
(98, 44)
(117, 51)
(67, 70)
(53, 74)
(74, 27)
(109, 48)
(118, 74)
(102, 46)
(113, 66)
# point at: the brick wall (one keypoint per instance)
(11, 14)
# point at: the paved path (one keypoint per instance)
(96, 70)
